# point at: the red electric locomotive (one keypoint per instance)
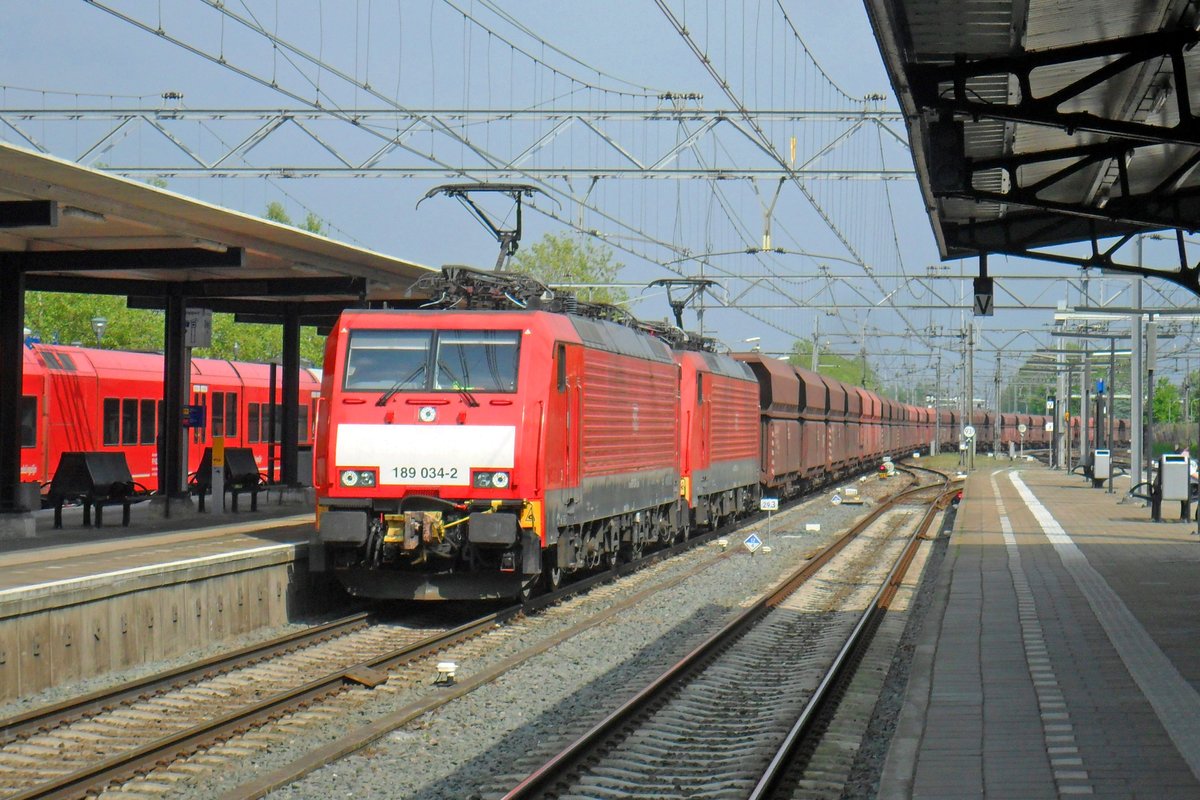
(77, 398)
(719, 411)
(467, 454)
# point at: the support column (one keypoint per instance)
(1136, 392)
(290, 459)
(12, 343)
(172, 470)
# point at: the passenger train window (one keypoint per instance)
(252, 422)
(28, 421)
(149, 423)
(231, 426)
(129, 422)
(112, 422)
(218, 413)
(478, 361)
(378, 360)
(302, 425)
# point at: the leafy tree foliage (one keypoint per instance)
(277, 213)
(854, 371)
(558, 260)
(1167, 401)
(67, 319)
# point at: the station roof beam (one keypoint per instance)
(1037, 125)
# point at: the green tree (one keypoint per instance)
(277, 213)
(558, 260)
(67, 318)
(854, 371)
(313, 224)
(1167, 401)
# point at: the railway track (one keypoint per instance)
(176, 718)
(83, 745)
(704, 726)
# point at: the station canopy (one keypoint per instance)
(74, 229)
(1036, 125)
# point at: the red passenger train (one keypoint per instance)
(512, 437)
(77, 398)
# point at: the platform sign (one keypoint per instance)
(768, 504)
(985, 304)
(197, 330)
(752, 542)
(192, 416)
(218, 451)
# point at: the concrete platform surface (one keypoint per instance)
(1061, 657)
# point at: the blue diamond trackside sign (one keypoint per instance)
(753, 542)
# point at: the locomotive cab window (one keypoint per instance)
(440, 361)
(562, 367)
(379, 360)
(480, 361)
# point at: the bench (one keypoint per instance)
(95, 479)
(241, 475)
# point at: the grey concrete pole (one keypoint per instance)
(1136, 390)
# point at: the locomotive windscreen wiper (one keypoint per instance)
(461, 385)
(398, 385)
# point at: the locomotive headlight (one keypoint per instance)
(357, 477)
(491, 480)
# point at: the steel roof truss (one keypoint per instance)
(927, 81)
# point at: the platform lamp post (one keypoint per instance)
(98, 326)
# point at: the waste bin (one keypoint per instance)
(1171, 484)
(1101, 467)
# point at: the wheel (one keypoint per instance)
(553, 578)
(552, 573)
(530, 589)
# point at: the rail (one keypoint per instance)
(541, 779)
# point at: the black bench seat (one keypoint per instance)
(94, 479)
(241, 475)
